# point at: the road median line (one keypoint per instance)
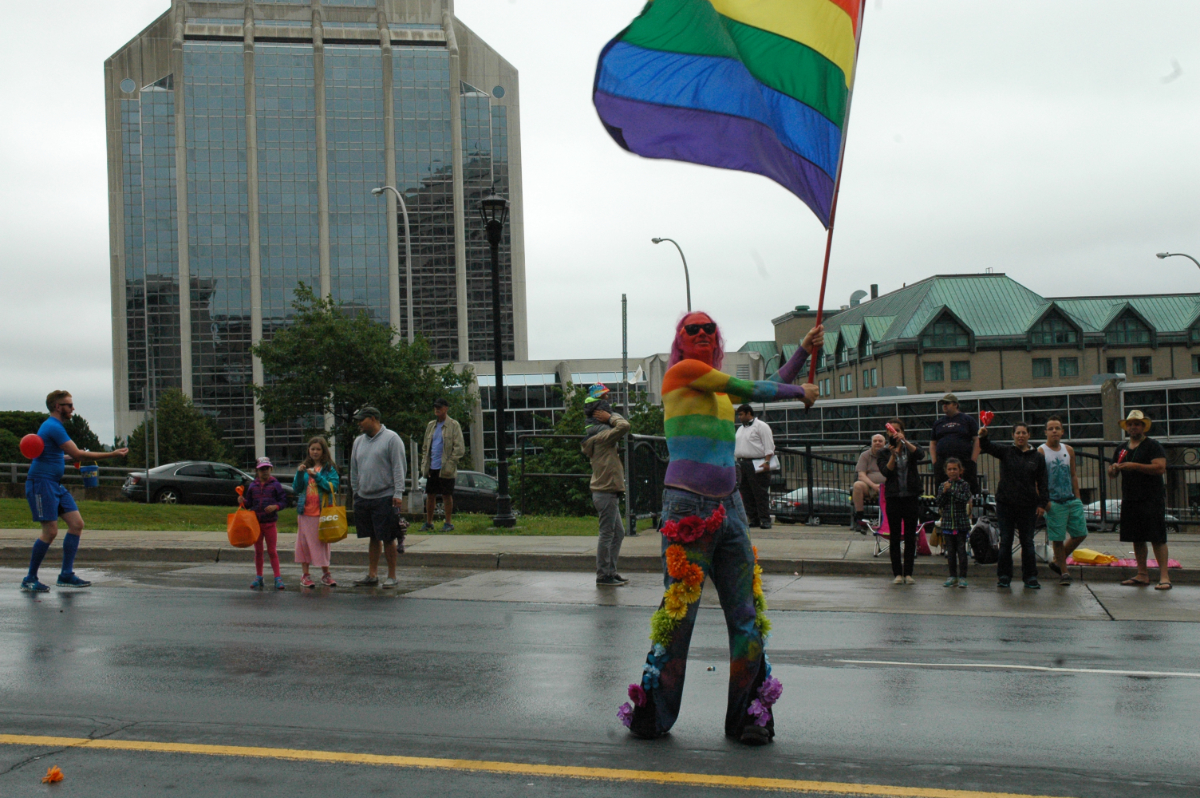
(503, 768)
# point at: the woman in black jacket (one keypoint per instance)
(1021, 498)
(902, 490)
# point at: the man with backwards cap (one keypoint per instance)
(377, 470)
(955, 434)
(601, 445)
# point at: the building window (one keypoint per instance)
(874, 378)
(1127, 330)
(945, 334)
(843, 355)
(1142, 366)
(869, 347)
(743, 371)
(1041, 367)
(1194, 334)
(935, 372)
(1196, 364)
(1068, 367)
(1053, 331)
(866, 378)
(960, 370)
(1116, 365)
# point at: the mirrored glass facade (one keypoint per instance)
(152, 273)
(198, 336)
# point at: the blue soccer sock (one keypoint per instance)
(70, 546)
(40, 547)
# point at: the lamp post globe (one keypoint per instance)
(494, 212)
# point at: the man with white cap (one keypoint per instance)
(1141, 463)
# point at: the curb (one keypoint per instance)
(585, 563)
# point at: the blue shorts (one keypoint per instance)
(48, 500)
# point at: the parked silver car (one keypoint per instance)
(1091, 515)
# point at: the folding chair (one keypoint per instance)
(881, 532)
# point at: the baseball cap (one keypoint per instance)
(596, 392)
(365, 411)
(948, 398)
(263, 462)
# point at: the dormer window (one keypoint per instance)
(1054, 331)
(945, 333)
(1127, 330)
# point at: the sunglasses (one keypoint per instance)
(66, 404)
(693, 329)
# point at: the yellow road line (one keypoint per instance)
(507, 768)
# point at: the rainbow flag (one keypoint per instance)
(760, 86)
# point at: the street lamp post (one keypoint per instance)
(687, 279)
(378, 192)
(1178, 255)
(494, 211)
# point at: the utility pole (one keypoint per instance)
(630, 518)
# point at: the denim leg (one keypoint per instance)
(662, 708)
(1004, 566)
(733, 574)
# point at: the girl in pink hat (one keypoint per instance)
(266, 497)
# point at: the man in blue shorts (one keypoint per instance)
(49, 500)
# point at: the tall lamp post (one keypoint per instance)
(687, 279)
(494, 211)
(378, 192)
(1178, 255)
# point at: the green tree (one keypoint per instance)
(565, 495)
(331, 362)
(20, 423)
(184, 433)
(10, 448)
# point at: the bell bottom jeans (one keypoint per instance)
(727, 558)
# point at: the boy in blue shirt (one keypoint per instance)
(49, 500)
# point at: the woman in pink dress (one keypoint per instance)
(315, 483)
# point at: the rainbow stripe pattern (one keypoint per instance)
(700, 430)
(760, 86)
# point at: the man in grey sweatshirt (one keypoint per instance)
(377, 480)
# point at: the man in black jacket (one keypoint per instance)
(1021, 498)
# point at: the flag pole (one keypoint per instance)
(837, 186)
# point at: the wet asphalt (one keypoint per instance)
(163, 656)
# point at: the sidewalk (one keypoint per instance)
(788, 550)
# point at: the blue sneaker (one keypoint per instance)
(31, 584)
(447, 527)
(257, 584)
(71, 580)
(962, 582)
(279, 583)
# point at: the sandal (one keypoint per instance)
(1135, 582)
(1163, 586)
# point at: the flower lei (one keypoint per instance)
(685, 591)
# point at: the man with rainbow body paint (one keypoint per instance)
(704, 534)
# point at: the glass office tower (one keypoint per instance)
(244, 140)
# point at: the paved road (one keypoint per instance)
(153, 658)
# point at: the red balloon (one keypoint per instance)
(32, 446)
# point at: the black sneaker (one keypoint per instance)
(755, 735)
(1033, 584)
(71, 580)
(621, 579)
(610, 581)
(1003, 581)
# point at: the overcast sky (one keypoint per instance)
(1058, 142)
